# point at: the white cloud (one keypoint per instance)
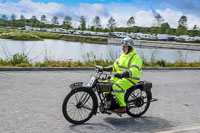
(172, 17)
(29, 8)
(144, 18)
(193, 20)
(119, 11)
(89, 11)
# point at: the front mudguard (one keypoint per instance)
(91, 92)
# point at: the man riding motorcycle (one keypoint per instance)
(128, 68)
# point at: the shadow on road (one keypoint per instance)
(92, 128)
(142, 124)
(111, 125)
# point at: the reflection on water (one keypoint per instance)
(59, 50)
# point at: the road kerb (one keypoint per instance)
(85, 68)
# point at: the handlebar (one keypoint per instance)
(99, 71)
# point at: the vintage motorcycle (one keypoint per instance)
(82, 103)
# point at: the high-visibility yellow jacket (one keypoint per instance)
(130, 62)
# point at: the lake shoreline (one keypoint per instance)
(159, 44)
(39, 36)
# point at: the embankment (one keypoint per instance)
(160, 44)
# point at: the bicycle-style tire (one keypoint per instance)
(86, 99)
(139, 106)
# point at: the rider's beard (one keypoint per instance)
(125, 51)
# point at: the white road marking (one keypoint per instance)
(179, 130)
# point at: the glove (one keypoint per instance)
(124, 74)
(118, 75)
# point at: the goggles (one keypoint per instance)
(125, 43)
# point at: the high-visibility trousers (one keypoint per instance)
(119, 86)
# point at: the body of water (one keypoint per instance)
(59, 50)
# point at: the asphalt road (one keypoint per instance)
(31, 102)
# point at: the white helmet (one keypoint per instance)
(128, 42)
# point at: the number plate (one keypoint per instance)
(91, 82)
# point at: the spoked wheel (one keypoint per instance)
(138, 102)
(79, 105)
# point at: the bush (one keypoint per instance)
(19, 59)
(179, 64)
(161, 63)
(23, 65)
(78, 64)
(4, 63)
(39, 64)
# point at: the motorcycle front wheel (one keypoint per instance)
(138, 102)
(79, 105)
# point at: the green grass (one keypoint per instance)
(45, 35)
(4, 30)
(37, 35)
(88, 39)
(20, 36)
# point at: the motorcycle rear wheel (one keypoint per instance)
(79, 105)
(138, 102)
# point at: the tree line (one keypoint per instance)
(159, 25)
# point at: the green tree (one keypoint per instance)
(22, 17)
(92, 28)
(33, 21)
(159, 20)
(43, 18)
(193, 33)
(181, 30)
(82, 23)
(164, 28)
(55, 20)
(154, 30)
(3, 20)
(183, 21)
(195, 27)
(67, 23)
(111, 24)
(96, 23)
(182, 26)
(22, 21)
(131, 22)
(4, 17)
(13, 19)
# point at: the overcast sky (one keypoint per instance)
(121, 10)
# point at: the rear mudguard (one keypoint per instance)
(143, 85)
